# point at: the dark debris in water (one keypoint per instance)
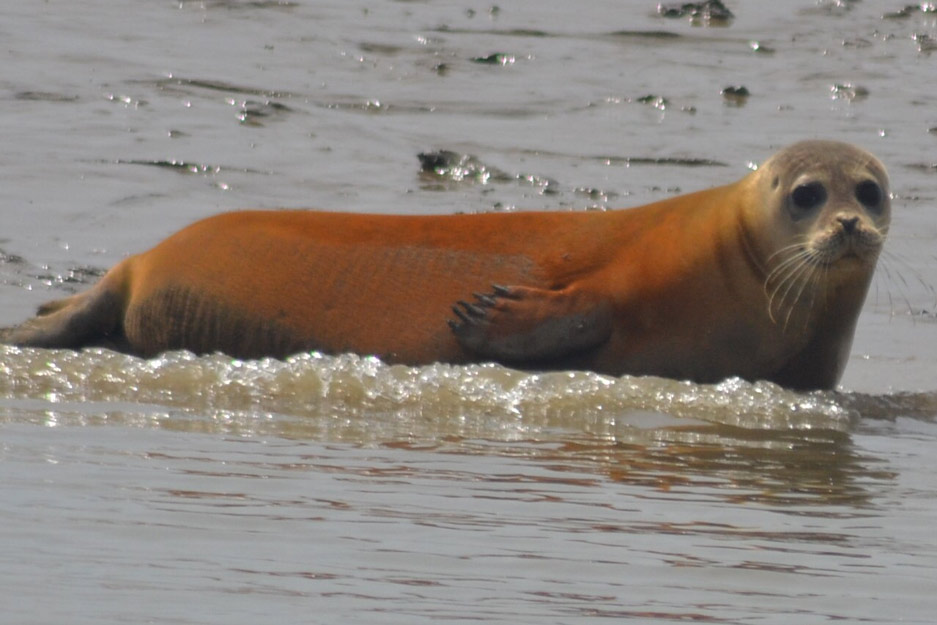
(644, 34)
(382, 49)
(736, 95)
(75, 276)
(910, 9)
(83, 275)
(253, 113)
(656, 101)
(925, 43)
(598, 195)
(234, 5)
(186, 167)
(497, 32)
(443, 166)
(707, 13)
(496, 58)
(653, 100)
(374, 106)
(760, 48)
(458, 167)
(125, 100)
(661, 160)
(182, 167)
(510, 32)
(493, 12)
(45, 96)
(527, 32)
(218, 85)
(849, 92)
(546, 186)
(524, 32)
(923, 167)
(831, 7)
(11, 259)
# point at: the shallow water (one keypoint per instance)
(205, 490)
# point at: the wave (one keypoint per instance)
(350, 388)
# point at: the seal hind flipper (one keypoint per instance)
(87, 319)
(92, 318)
(517, 324)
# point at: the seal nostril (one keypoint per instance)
(848, 223)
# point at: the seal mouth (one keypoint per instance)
(851, 259)
(849, 241)
(843, 258)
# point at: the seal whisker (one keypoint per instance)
(798, 276)
(780, 274)
(811, 278)
(783, 266)
(799, 244)
(788, 275)
(892, 265)
(793, 292)
(786, 264)
(780, 264)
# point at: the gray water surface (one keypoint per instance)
(338, 489)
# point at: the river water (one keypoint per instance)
(329, 489)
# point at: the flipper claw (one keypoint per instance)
(523, 324)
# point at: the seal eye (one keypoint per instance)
(869, 194)
(807, 197)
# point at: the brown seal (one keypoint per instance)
(762, 279)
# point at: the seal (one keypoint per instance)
(762, 279)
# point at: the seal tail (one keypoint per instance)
(93, 318)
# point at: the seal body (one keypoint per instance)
(761, 279)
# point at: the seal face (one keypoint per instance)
(762, 279)
(833, 218)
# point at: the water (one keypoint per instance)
(327, 489)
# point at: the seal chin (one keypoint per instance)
(850, 263)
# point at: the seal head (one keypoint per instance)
(828, 211)
(831, 211)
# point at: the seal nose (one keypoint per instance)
(848, 223)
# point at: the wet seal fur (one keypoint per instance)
(763, 279)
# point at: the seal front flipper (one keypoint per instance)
(517, 323)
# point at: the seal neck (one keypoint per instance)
(751, 252)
